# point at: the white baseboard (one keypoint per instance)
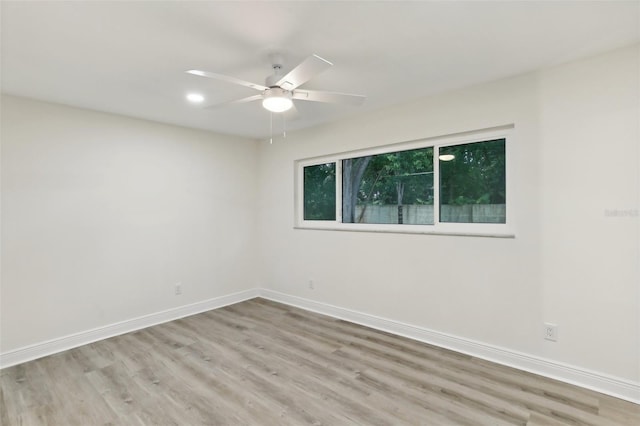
(53, 346)
(614, 386)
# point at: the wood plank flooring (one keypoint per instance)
(264, 363)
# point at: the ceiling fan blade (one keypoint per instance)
(236, 102)
(307, 69)
(331, 97)
(227, 79)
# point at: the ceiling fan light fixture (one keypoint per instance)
(277, 100)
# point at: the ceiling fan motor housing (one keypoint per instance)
(271, 80)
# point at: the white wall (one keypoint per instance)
(102, 214)
(576, 155)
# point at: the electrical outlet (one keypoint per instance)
(550, 332)
(178, 289)
(311, 285)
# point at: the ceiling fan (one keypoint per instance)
(279, 91)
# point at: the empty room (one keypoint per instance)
(320, 213)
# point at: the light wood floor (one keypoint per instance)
(263, 363)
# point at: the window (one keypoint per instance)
(320, 192)
(396, 187)
(450, 185)
(472, 182)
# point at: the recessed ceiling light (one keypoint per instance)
(196, 98)
(446, 157)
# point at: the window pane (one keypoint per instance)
(472, 183)
(389, 188)
(320, 192)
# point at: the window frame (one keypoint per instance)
(504, 230)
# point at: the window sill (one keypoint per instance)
(412, 230)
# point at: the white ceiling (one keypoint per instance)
(129, 57)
